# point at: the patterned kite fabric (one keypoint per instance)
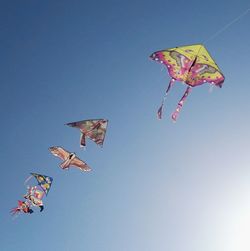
(94, 129)
(44, 181)
(191, 65)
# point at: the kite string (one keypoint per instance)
(27, 179)
(227, 25)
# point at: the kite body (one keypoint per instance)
(191, 65)
(34, 196)
(94, 129)
(69, 159)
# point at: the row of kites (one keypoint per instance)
(94, 129)
(191, 65)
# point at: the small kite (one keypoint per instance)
(34, 194)
(69, 159)
(23, 207)
(95, 129)
(191, 65)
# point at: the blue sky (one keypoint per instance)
(155, 185)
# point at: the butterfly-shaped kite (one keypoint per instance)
(191, 65)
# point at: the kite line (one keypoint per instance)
(227, 25)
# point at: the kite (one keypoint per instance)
(34, 194)
(191, 65)
(23, 207)
(69, 159)
(94, 129)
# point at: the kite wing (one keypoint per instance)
(44, 181)
(178, 60)
(59, 152)
(204, 70)
(95, 129)
(80, 164)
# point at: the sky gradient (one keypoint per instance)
(155, 185)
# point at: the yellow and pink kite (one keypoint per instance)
(191, 65)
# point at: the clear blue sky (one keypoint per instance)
(155, 185)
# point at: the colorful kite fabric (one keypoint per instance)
(69, 159)
(191, 65)
(23, 207)
(44, 181)
(95, 129)
(34, 196)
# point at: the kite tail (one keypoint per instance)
(82, 140)
(15, 211)
(180, 104)
(159, 112)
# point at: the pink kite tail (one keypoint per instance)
(159, 112)
(180, 104)
(15, 210)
